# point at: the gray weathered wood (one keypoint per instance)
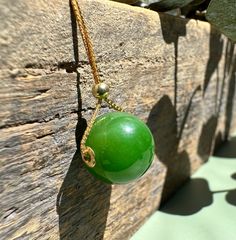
(177, 75)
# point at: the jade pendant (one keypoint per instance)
(123, 146)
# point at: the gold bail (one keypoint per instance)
(88, 157)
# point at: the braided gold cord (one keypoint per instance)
(86, 39)
(87, 153)
(113, 105)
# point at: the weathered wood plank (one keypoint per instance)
(177, 75)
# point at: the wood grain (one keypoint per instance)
(177, 75)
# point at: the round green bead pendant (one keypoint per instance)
(123, 146)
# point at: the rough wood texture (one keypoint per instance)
(177, 75)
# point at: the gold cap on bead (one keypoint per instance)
(100, 90)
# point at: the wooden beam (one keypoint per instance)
(177, 75)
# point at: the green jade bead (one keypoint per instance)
(123, 147)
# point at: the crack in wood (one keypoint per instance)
(9, 213)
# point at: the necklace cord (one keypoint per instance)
(86, 40)
(87, 153)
